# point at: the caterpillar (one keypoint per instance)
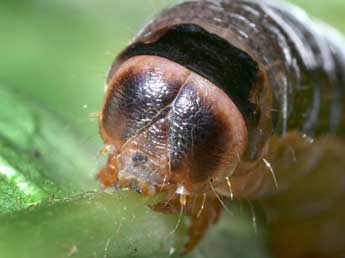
(234, 99)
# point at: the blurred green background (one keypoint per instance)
(59, 51)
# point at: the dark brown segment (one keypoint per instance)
(299, 57)
(209, 56)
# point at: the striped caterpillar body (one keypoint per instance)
(215, 99)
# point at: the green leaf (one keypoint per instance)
(97, 224)
(40, 158)
(40, 139)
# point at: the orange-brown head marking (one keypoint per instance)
(168, 127)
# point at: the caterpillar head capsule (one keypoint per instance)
(168, 127)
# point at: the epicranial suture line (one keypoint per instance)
(249, 83)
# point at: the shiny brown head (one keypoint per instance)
(168, 127)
